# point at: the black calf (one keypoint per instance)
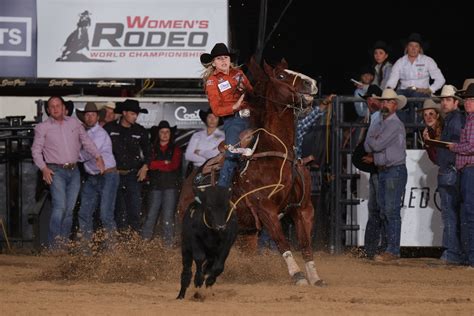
(208, 234)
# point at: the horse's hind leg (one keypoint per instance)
(303, 219)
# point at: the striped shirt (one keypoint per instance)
(465, 148)
(304, 125)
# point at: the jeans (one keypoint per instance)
(448, 188)
(129, 202)
(64, 191)
(375, 239)
(233, 126)
(392, 182)
(408, 113)
(103, 187)
(164, 200)
(467, 213)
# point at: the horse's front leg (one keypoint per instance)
(269, 217)
(303, 219)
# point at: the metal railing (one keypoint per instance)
(343, 172)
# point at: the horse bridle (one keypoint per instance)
(296, 106)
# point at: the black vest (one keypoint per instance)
(160, 180)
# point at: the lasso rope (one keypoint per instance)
(276, 186)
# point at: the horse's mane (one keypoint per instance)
(256, 99)
(260, 80)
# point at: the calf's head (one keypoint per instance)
(216, 206)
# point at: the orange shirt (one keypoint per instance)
(222, 92)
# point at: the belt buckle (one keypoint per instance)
(68, 165)
(123, 172)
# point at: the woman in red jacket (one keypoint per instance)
(164, 173)
(225, 88)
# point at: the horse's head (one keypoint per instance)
(292, 88)
(215, 204)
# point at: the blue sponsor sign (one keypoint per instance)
(18, 38)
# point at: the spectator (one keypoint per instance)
(434, 125)
(55, 151)
(110, 115)
(375, 240)
(465, 165)
(382, 65)
(448, 178)
(386, 140)
(130, 145)
(102, 186)
(204, 144)
(414, 71)
(366, 77)
(164, 181)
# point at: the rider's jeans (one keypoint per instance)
(233, 126)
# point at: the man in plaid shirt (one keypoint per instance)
(465, 165)
(306, 123)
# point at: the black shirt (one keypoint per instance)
(130, 145)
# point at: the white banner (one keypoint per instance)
(127, 39)
(421, 218)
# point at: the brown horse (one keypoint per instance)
(274, 184)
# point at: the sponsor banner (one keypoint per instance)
(421, 216)
(127, 39)
(185, 115)
(18, 38)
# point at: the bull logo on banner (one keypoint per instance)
(78, 41)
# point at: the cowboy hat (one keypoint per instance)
(390, 94)
(203, 115)
(430, 104)
(448, 91)
(129, 105)
(372, 91)
(220, 49)
(468, 93)
(466, 84)
(110, 105)
(166, 124)
(90, 107)
(416, 37)
(381, 45)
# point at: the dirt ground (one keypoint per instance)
(145, 280)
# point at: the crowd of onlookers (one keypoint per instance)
(448, 136)
(118, 156)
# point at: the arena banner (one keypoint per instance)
(421, 216)
(18, 38)
(182, 114)
(127, 39)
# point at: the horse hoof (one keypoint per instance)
(299, 278)
(320, 283)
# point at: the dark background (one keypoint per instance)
(334, 42)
